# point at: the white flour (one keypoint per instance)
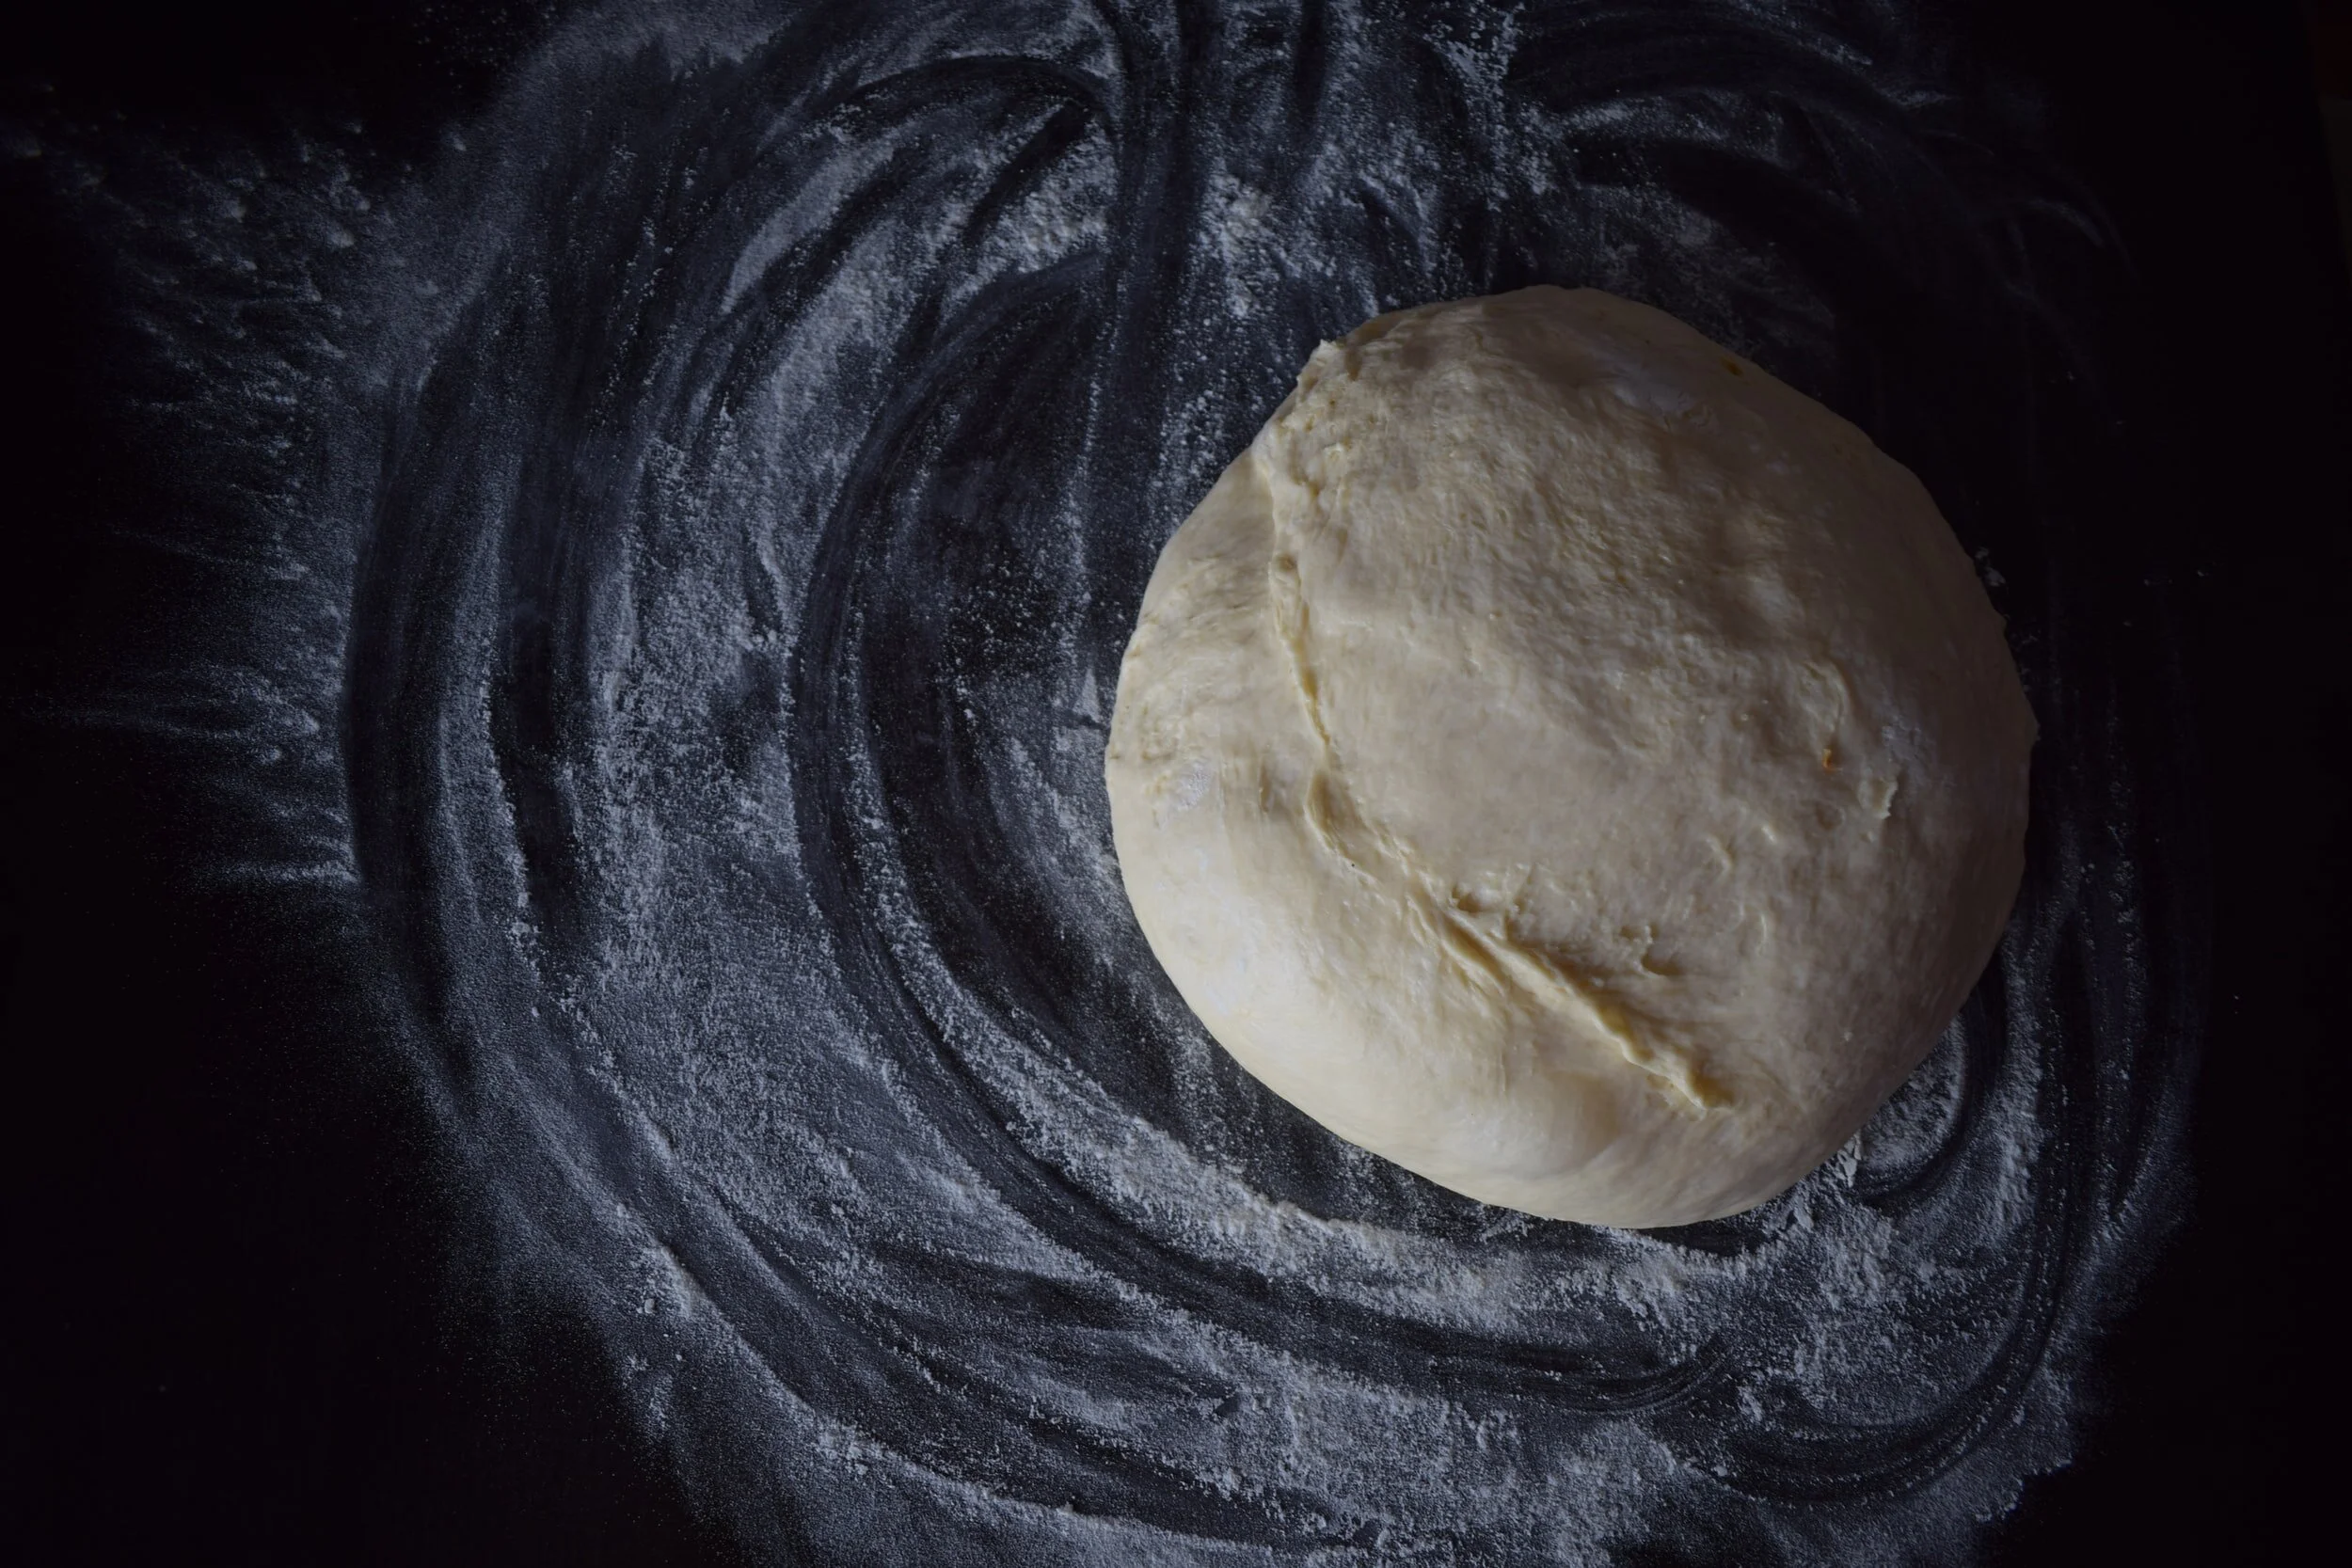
(715, 499)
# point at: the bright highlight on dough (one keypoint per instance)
(1567, 761)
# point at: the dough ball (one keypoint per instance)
(1567, 761)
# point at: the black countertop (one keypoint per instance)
(2076, 264)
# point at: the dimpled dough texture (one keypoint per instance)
(1562, 759)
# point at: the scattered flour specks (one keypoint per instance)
(687, 539)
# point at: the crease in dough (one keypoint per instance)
(1480, 950)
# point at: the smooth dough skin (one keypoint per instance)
(1567, 761)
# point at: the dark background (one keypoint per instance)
(226, 1336)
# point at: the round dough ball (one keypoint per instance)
(1567, 761)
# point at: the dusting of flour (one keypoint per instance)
(686, 540)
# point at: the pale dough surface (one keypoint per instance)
(1567, 761)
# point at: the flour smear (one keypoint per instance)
(682, 543)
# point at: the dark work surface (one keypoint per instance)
(233, 1334)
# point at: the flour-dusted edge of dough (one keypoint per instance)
(1566, 760)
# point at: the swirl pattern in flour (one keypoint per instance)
(741, 469)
